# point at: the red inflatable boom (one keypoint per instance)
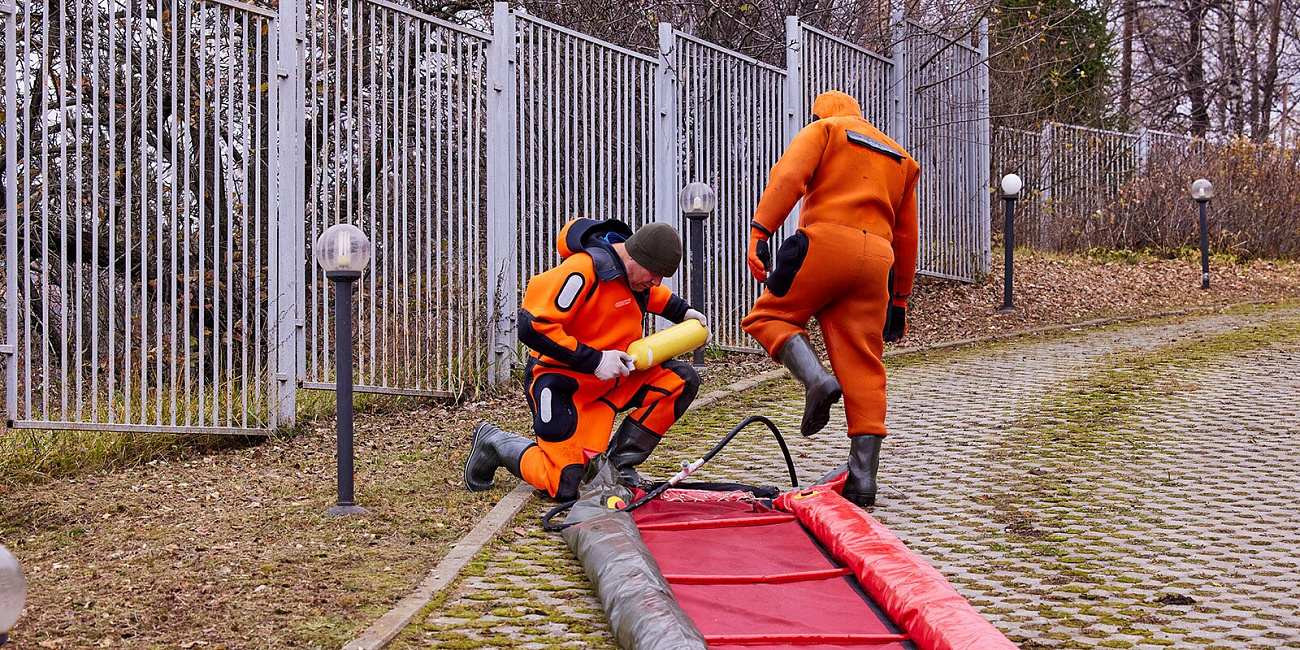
(910, 591)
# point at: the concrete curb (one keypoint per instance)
(383, 631)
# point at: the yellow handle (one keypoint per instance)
(662, 346)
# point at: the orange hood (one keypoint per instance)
(834, 103)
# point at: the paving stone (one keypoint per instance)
(1125, 487)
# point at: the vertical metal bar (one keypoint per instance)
(570, 156)
(464, 208)
(503, 223)
(554, 141)
(455, 214)
(43, 276)
(187, 306)
(440, 338)
(158, 280)
(11, 215)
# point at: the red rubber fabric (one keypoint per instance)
(762, 550)
(813, 646)
(910, 591)
(827, 606)
(711, 565)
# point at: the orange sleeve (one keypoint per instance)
(664, 302)
(550, 302)
(790, 176)
(906, 227)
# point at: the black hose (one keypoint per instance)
(789, 462)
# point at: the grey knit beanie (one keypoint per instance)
(657, 247)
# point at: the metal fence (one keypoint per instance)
(948, 134)
(1073, 173)
(138, 216)
(730, 133)
(828, 62)
(164, 182)
(585, 136)
(396, 144)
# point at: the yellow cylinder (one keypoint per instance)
(662, 346)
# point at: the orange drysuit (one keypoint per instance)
(569, 315)
(858, 221)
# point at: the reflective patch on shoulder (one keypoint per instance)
(570, 291)
(874, 145)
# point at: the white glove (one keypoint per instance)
(691, 313)
(614, 363)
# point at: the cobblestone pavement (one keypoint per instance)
(1124, 487)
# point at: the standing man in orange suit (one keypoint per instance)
(579, 319)
(851, 265)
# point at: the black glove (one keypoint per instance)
(765, 255)
(895, 323)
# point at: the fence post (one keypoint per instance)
(502, 212)
(667, 152)
(1046, 160)
(289, 293)
(793, 91)
(900, 87)
(792, 95)
(983, 138)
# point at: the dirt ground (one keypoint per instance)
(232, 549)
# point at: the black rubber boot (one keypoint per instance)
(631, 446)
(492, 448)
(821, 388)
(864, 458)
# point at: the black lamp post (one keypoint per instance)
(1010, 192)
(343, 251)
(1202, 192)
(13, 592)
(697, 201)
